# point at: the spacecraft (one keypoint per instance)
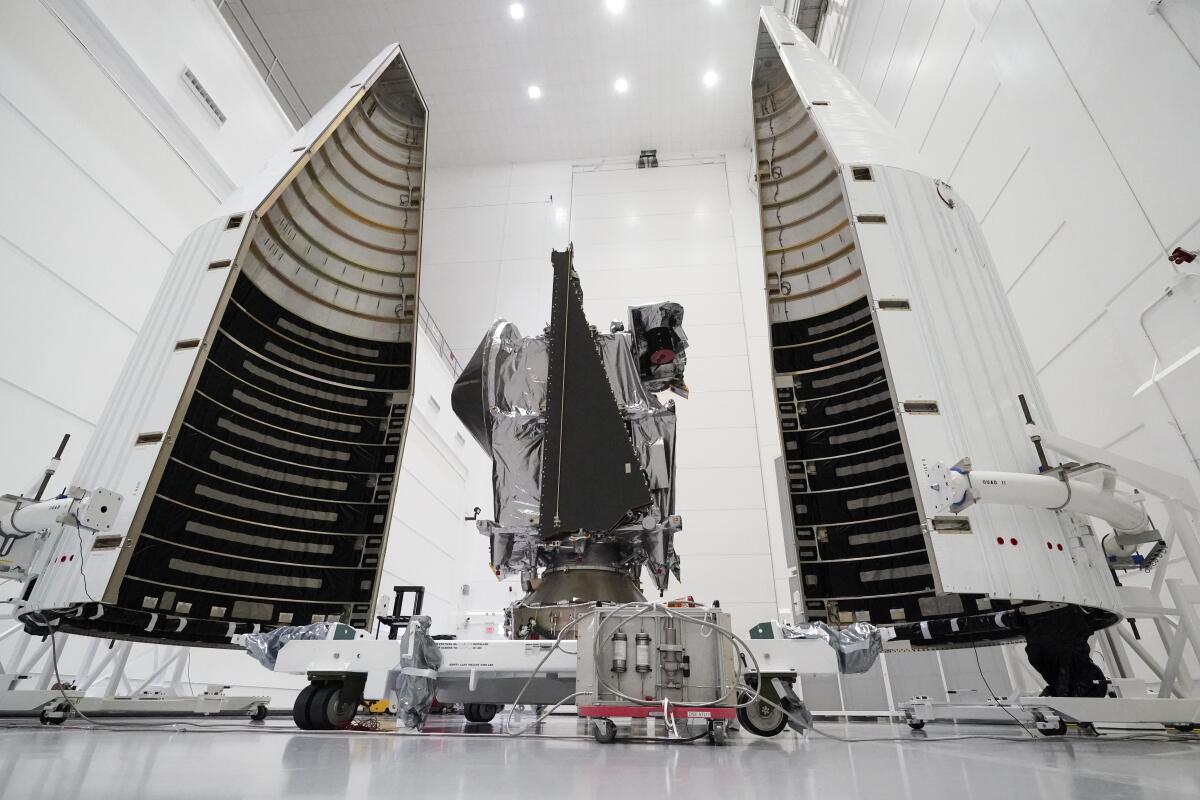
(583, 453)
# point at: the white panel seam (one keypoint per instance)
(134, 81)
(1007, 181)
(1078, 335)
(892, 55)
(1182, 42)
(937, 111)
(392, 536)
(1124, 436)
(437, 497)
(974, 130)
(920, 61)
(68, 284)
(1099, 132)
(871, 44)
(50, 140)
(51, 403)
(1034, 259)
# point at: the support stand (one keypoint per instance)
(29, 686)
(1168, 606)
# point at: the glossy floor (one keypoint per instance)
(235, 759)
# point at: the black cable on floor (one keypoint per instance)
(979, 664)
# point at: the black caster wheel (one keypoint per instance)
(328, 711)
(604, 731)
(1186, 727)
(1039, 718)
(1060, 730)
(762, 719)
(716, 733)
(480, 712)
(258, 713)
(46, 719)
(300, 709)
(917, 724)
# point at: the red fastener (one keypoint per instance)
(1013, 542)
(999, 540)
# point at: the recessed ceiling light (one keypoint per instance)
(710, 79)
(621, 85)
(535, 92)
(615, 6)
(516, 11)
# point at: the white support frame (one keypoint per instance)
(1173, 612)
(1171, 605)
(28, 685)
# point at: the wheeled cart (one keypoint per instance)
(604, 730)
(1050, 715)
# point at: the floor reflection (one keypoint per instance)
(451, 758)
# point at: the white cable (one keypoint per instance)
(58, 676)
(540, 718)
(669, 719)
(538, 668)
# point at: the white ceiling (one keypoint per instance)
(474, 64)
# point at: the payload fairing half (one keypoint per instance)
(256, 430)
(894, 349)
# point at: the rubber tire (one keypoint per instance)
(258, 713)
(485, 712)
(604, 730)
(471, 712)
(301, 713)
(753, 722)
(328, 711)
(47, 720)
(717, 733)
(917, 725)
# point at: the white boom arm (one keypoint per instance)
(1059, 492)
(94, 511)
(28, 527)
